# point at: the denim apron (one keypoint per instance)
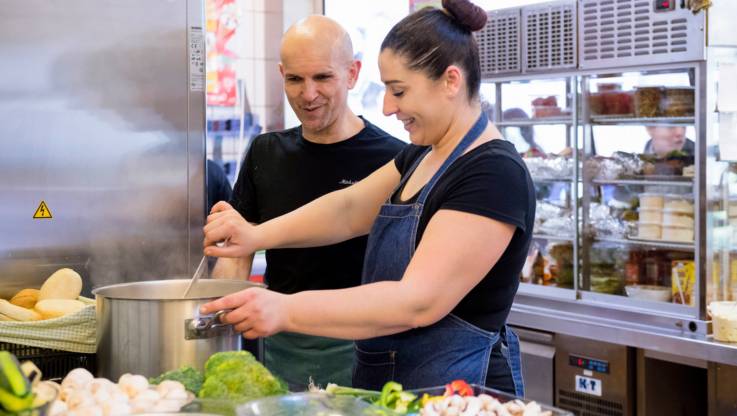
(447, 350)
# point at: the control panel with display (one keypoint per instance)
(591, 364)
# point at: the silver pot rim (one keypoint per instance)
(173, 289)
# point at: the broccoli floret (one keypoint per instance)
(213, 388)
(238, 376)
(228, 356)
(191, 378)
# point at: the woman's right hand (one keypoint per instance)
(226, 224)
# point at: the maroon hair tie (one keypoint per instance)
(466, 13)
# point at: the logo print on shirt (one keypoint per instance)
(346, 182)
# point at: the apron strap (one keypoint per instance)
(469, 138)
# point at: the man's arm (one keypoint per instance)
(330, 219)
(233, 268)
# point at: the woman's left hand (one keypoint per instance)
(255, 312)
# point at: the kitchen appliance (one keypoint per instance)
(594, 378)
(147, 328)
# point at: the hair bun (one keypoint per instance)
(466, 13)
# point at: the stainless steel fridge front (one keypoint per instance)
(102, 120)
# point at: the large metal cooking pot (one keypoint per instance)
(147, 328)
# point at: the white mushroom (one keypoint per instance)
(443, 404)
(86, 411)
(456, 401)
(77, 379)
(169, 389)
(473, 406)
(149, 394)
(57, 408)
(98, 384)
(80, 399)
(429, 409)
(486, 401)
(117, 395)
(532, 409)
(452, 411)
(144, 401)
(132, 385)
(168, 406)
(116, 408)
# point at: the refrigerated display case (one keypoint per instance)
(634, 237)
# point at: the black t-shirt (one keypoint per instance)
(493, 181)
(218, 187)
(282, 171)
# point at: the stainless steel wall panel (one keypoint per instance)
(95, 110)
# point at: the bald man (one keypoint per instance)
(332, 149)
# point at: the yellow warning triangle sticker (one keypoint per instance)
(42, 212)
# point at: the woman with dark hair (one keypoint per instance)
(449, 223)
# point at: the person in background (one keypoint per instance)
(218, 187)
(332, 149)
(449, 222)
(666, 139)
(525, 133)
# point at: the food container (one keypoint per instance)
(647, 101)
(677, 218)
(609, 86)
(499, 395)
(649, 230)
(596, 104)
(648, 292)
(611, 100)
(607, 284)
(618, 103)
(546, 106)
(311, 404)
(147, 328)
(650, 215)
(673, 233)
(678, 203)
(651, 200)
(678, 102)
(724, 320)
(683, 279)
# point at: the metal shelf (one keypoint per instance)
(551, 180)
(650, 121)
(645, 182)
(649, 243)
(536, 122)
(552, 237)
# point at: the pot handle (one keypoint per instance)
(208, 326)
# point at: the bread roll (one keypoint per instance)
(18, 313)
(6, 318)
(26, 298)
(63, 284)
(54, 308)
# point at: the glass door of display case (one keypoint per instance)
(537, 117)
(721, 174)
(640, 201)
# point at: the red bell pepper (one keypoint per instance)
(458, 387)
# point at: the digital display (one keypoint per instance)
(664, 5)
(589, 364)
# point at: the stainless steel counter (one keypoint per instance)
(582, 320)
